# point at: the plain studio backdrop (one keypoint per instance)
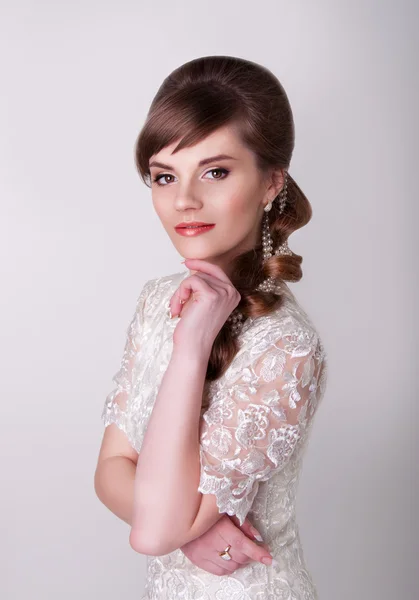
(79, 237)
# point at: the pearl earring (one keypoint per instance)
(269, 284)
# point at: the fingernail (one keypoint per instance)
(267, 560)
(256, 534)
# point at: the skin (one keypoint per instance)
(114, 484)
(168, 510)
(185, 189)
(234, 202)
(203, 551)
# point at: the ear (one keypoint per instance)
(275, 183)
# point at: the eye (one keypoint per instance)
(163, 176)
(158, 177)
(220, 170)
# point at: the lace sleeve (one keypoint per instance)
(116, 407)
(253, 426)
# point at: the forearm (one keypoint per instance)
(166, 499)
(114, 485)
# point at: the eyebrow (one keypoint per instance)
(201, 163)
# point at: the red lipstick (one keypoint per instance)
(193, 228)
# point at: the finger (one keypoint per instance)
(235, 553)
(190, 286)
(259, 542)
(210, 278)
(242, 547)
(197, 284)
(247, 528)
(212, 567)
(248, 560)
(212, 281)
(230, 565)
(205, 267)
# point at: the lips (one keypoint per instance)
(193, 224)
(193, 231)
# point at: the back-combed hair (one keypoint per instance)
(193, 101)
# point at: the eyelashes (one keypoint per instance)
(162, 175)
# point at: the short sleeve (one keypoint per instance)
(116, 407)
(252, 427)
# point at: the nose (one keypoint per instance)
(187, 198)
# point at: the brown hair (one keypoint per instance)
(193, 101)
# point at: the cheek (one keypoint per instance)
(241, 203)
(161, 210)
(236, 218)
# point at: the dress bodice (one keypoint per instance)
(253, 435)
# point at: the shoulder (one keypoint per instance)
(288, 329)
(282, 348)
(297, 347)
(157, 291)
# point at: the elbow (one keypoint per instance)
(150, 544)
(136, 542)
(151, 532)
(97, 484)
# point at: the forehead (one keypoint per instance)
(224, 140)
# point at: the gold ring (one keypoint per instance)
(225, 554)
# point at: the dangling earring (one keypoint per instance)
(269, 284)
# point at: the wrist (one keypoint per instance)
(193, 353)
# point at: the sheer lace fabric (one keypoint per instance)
(253, 426)
(252, 438)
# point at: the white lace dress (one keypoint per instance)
(252, 438)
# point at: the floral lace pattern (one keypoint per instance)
(253, 436)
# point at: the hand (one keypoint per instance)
(204, 301)
(203, 551)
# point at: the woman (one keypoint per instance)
(222, 370)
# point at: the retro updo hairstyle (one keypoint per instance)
(193, 101)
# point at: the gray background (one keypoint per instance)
(79, 237)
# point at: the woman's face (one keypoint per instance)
(228, 193)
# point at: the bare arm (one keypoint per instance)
(114, 485)
(169, 511)
(168, 466)
(115, 466)
(115, 473)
